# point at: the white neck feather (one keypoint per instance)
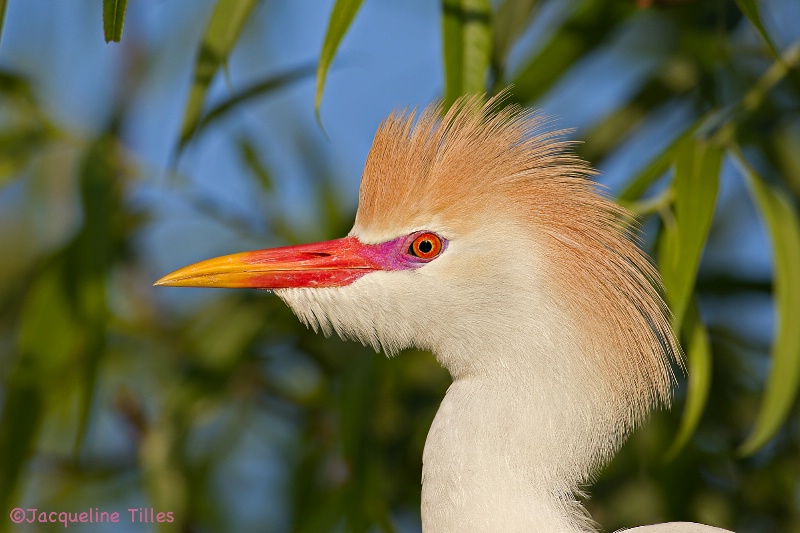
(509, 452)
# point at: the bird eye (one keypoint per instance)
(425, 246)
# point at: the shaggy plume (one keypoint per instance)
(480, 161)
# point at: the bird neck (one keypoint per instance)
(510, 448)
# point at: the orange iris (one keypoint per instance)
(426, 246)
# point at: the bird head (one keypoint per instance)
(480, 237)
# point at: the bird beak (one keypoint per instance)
(323, 264)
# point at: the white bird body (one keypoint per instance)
(479, 238)
(676, 527)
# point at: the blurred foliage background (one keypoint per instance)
(192, 134)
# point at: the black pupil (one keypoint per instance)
(425, 247)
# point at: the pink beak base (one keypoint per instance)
(324, 264)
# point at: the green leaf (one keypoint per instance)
(466, 27)
(91, 256)
(14, 85)
(17, 146)
(510, 20)
(3, 4)
(49, 333)
(258, 89)
(698, 362)
(98, 244)
(223, 31)
(697, 166)
(589, 24)
(113, 19)
(344, 11)
(249, 155)
(639, 184)
(715, 123)
(757, 94)
(21, 418)
(48, 336)
(783, 226)
(786, 156)
(750, 10)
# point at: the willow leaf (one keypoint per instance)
(113, 19)
(17, 147)
(750, 10)
(249, 155)
(257, 90)
(90, 257)
(21, 416)
(698, 362)
(783, 226)
(639, 184)
(2, 17)
(510, 20)
(466, 27)
(48, 335)
(697, 166)
(589, 24)
(223, 31)
(344, 11)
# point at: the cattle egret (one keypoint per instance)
(481, 238)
